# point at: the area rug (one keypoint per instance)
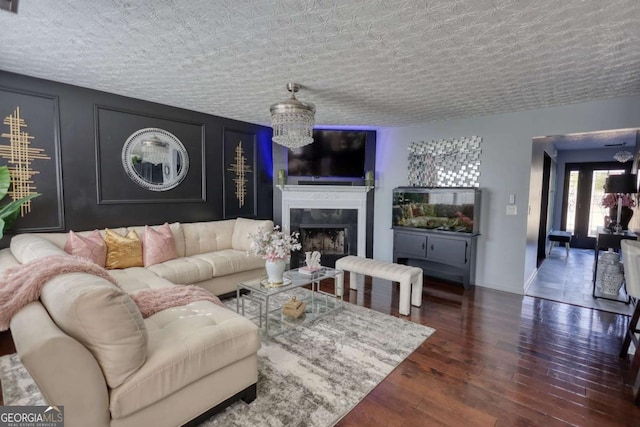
(312, 375)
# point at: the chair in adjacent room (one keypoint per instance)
(558, 236)
(631, 260)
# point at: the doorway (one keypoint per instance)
(582, 211)
(580, 164)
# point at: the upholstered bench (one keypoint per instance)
(410, 278)
(557, 236)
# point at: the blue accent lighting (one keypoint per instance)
(264, 150)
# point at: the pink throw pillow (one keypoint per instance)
(92, 247)
(158, 245)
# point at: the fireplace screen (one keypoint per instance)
(327, 240)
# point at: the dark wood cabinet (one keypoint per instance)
(410, 244)
(447, 255)
(447, 250)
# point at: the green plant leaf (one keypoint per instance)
(10, 219)
(5, 181)
(9, 213)
(11, 208)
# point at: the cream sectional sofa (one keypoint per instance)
(88, 348)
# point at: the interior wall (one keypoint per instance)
(79, 139)
(507, 247)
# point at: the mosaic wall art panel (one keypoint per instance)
(445, 163)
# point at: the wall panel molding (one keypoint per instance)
(92, 189)
(113, 185)
(37, 160)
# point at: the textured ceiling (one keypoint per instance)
(620, 139)
(363, 62)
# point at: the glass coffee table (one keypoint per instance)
(266, 301)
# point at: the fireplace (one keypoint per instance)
(328, 240)
(329, 214)
(332, 232)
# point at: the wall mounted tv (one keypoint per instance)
(333, 153)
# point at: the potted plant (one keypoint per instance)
(275, 247)
(610, 200)
(9, 212)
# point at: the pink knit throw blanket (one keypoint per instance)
(153, 300)
(22, 284)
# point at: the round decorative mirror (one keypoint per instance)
(155, 159)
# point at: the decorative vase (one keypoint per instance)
(275, 270)
(610, 276)
(282, 177)
(625, 216)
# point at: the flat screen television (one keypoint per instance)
(333, 153)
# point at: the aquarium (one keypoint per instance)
(454, 209)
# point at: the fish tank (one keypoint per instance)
(452, 209)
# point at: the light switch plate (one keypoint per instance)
(512, 199)
(512, 210)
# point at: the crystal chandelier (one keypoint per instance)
(154, 150)
(293, 120)
(623, 156)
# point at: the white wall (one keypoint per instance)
(506, 257)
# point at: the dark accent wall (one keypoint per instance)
(79, 156)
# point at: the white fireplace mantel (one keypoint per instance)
(327, 197)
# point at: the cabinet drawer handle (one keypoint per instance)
(431, 246)
(423, 245)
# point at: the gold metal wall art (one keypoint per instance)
(240, 168)
(20, 155)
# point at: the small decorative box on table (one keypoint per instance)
(294, 308)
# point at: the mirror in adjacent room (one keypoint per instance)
(155, 159)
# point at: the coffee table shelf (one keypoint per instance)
(270, 300)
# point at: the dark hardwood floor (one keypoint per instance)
(499, 359)
(496, 359)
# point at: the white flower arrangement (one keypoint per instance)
(274, 245)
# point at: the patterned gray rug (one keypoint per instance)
(310, 376)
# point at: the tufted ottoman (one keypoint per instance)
(410, 278)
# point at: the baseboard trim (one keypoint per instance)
(500, 288)
(529, 281)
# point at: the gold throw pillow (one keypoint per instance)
(123, 251)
